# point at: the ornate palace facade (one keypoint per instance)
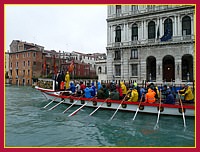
(151, 42)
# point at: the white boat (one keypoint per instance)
(167, 109)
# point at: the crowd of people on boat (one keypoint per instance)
(149, 93)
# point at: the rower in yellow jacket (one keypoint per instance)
(188, 95)
(134, 95)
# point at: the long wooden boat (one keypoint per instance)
(167, 109)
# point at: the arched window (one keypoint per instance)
(168, 30)
(186, 25)
(134, 32)
(118, 34)
(151, 30)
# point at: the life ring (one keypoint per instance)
(109, 104)
(94, 103)
(71, 100)
(124, 105)
(82, 101)
(141, 107)
(161, 109)
(180, 110)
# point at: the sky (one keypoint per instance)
(68, 28)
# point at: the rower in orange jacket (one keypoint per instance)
(150, 96)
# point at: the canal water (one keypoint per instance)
(27, 124)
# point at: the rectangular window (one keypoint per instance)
(17, 64)
(28, 72)
(24, 63)
(117, 70)
(134, 54)
(34, 54)
(134, 70)
(117, 55)
(134, 8)
(23, 72)
(118, 10)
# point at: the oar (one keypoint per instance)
(118, 108)
(50, 103)
(73, 113)
(138, 107)
(156, 125)
(72, 104)
(56, 105)
(98, 107)
(182, 111)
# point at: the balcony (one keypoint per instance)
(175, 39)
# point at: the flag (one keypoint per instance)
(167, 36)
(71, 66)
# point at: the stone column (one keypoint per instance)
(175, 25)
(178, 73)
(192, 24)
(161, 28)
(179, 26)
(159, 71)
(145, 30)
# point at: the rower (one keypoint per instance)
(150, 96)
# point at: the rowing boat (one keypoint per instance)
(168, 109)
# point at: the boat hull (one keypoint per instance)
(167, 109)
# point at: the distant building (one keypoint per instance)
(81, 70)
(101, 69)
(151, 42)
(25, 62)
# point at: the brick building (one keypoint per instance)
(25, 62)
(81, 70)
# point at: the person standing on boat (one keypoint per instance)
(59, 79)
(67, 80)
(150, 96)
(188, 95)
(124, 89)
(134, 95)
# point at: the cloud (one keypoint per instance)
(60, 27)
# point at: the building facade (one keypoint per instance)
(151, 42)
(25, 62)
